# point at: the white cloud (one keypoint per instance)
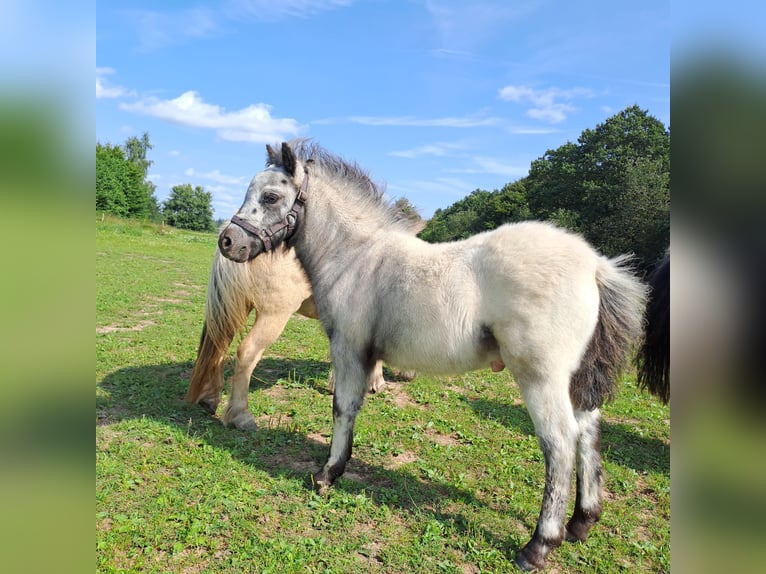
(216, 176)
(440, 149)
(450, 187)
(159, 29)
(533, 131)
(269, 10)
(547, 104)
(104, 89)
(448, 122)
(251, 124)
(497, 166)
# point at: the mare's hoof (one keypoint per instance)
(377, 386)
(210, 405)
(243, 421)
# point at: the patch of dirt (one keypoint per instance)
(320, 438)
(302, 464)
(442, 439)
(115, 328)
(399, 460)
(167, 300)
(400, 397)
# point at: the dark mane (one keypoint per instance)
(349, 175)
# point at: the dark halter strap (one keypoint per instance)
(288, 222)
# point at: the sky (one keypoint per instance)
(434, 98)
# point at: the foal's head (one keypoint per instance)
(271, 211)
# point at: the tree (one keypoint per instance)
(480, 211)
(122, 187)
(189, 208)
(613, 186)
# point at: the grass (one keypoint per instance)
(446, 474)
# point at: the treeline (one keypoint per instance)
(123, 189)
(612, 186)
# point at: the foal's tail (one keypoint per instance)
(620, 323)
(228, 305)
(653, 359)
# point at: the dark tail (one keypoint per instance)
(653, 358)
(227, 308)
(620, 321)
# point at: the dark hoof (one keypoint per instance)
(529, 561)
(577, 532)
(321, 482)
(209, 405)
(580, 524)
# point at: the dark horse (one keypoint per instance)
(653, 358)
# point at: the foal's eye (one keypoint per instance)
(270, 198)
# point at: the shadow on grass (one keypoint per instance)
(620, 443)
(157, 392)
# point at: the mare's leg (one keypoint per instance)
(549, 405)
(351, 381)
(376, 383)
(265, 331)
(587, 509)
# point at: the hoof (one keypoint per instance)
(210, 405)
(377, 386)
(580, 524)
(527, 562)
(242, 421)
(321, 483)
(578, 531)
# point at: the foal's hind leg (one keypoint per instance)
(548, 402)
(587, 509)
(265, 331)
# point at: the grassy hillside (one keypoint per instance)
(446, 474)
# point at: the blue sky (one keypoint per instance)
(435, 98)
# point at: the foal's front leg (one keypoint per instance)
(351, 378)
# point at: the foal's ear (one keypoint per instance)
(288, 159)
(271, 155)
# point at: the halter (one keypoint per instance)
(288, 222)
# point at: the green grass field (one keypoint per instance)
(446, 474)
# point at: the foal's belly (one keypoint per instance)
(442, 356)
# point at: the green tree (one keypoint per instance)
(613, 186)
(122, 187)
(189, 208)
(480, 211)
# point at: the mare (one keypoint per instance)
(275, 286)
(528, 296)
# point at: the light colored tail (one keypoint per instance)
(227, 308)
(620, 324)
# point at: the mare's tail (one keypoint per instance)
(228, 305)
(620, 321)
(653, 358)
